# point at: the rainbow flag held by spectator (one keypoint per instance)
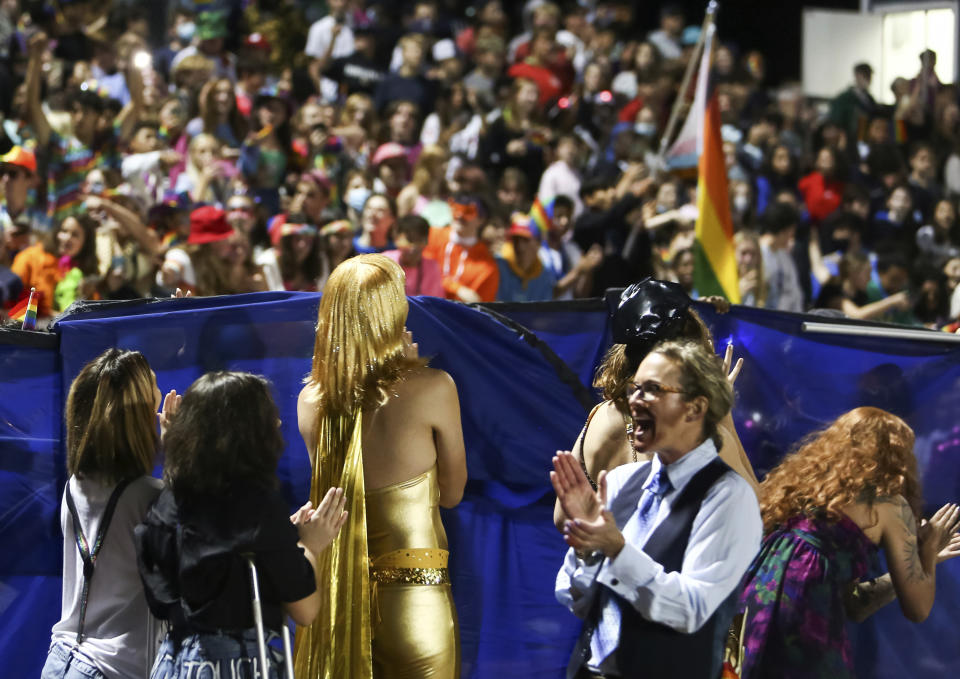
(26, 311)
(900, 131)
(542, 215)
(715, 264)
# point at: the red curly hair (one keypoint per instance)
(863, 455)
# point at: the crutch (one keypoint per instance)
(258, 622)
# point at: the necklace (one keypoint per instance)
(628, 422)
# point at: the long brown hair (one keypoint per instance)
(111, 418)
(864, 455)
(86, 259)
(213, 272)
(208, 110)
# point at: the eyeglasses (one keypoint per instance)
(650, 390)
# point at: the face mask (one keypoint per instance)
(186, 30)
(356, 198)
(661, 208)
(645, 129)
(741, 203)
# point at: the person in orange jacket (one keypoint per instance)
(469, 271)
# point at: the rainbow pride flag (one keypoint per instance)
(542, 215)
(26, 311)
(715, 264)
(900, 131)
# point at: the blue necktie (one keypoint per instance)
(637, 529)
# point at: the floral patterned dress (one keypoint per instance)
(793, 598)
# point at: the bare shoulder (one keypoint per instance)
(607, 422)
(429, 380)
(309, 395)
(896, 511)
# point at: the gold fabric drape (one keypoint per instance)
(337, 644)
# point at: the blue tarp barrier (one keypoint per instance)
(520, 403)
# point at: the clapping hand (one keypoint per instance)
(943, 527)
(599, 534)
(318, 528)
(577, 498)
(171, 403)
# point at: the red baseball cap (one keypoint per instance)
(388, 151)
(208, 224)
(520, 226)
(20, 157)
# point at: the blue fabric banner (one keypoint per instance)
(519, 404)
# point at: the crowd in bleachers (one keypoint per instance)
(496, 151)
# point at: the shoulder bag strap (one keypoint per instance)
(88, 554)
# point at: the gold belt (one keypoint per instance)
(415, 566)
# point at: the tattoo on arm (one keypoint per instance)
(865, 598)
(911, 545)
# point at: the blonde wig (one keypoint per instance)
(359, 347)
(358, 355)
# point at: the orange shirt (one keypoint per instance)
(38, 269)
(473, 267)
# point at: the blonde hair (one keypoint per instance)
(359, 348)
(350, 106)
(701, 374)
(428, 165)
(748, 236)
(865, 454)
(111, 418)
(193, 170)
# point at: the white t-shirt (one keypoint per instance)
(145, 176)
(318, 42)
(561, 180)
(318, 39)
(120, 634)
(625, 83)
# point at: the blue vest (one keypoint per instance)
(650, 649)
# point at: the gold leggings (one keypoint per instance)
(415, 632)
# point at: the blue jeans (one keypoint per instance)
(64, 663)
(215, 656)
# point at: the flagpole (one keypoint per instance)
(674, 119)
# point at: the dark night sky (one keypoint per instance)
(771, 26)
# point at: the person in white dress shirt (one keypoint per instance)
(656, 553)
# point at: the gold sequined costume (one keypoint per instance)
(387, 610)
(415, 624)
